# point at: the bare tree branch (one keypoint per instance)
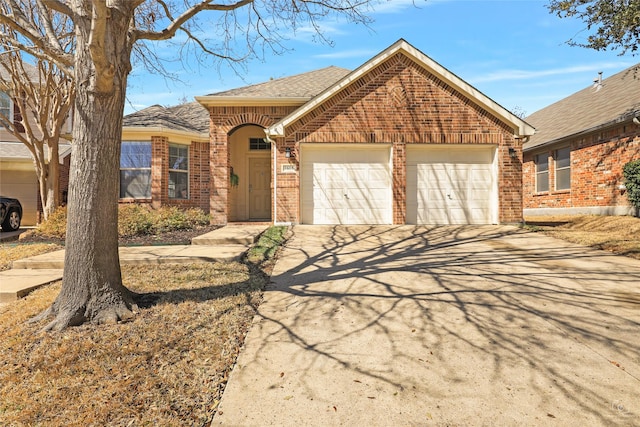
(188, 14)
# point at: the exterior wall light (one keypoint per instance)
(512, 153)
(287, 152)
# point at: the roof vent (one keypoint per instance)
(597, 82)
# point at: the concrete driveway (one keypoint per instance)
(441, 326)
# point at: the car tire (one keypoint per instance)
(11, 221)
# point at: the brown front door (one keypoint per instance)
(259, 189)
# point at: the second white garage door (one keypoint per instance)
(451, 185)
(346, 184)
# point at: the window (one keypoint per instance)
(135, 170)
(563, 169)
(542, 173)
(178, 171)
(259, 144)
(6, 109)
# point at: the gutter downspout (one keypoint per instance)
(275, 176)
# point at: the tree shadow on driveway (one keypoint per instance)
(451, 325)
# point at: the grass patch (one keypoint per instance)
(13, 251)
(617, 234)
(167, 366)
(268, 245)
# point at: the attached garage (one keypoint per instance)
(451, 184)
(18, 179)
(346, 184)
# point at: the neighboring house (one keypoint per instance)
(573, 164)
(165, 156)
(18, 177)
(400, 140)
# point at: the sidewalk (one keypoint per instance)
(225, 244)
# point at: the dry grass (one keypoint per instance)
(617, 234)
(12, 251)
(166, 367)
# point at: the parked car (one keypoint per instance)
(10, 213)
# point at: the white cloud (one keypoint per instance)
(536, 74)
(355, 53)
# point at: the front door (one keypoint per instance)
(259, 189)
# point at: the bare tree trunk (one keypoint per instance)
(92, 288)
(51, 196)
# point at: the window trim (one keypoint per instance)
(149, 169)
(179, 171)
(10, 116)
(556, 168)
(539, 173)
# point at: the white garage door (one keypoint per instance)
(23, 185)
(345, 184)
(451, 185)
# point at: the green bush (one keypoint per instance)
(631, 173)
(134, 220)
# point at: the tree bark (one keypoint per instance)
(92, 288)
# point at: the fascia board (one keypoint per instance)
(248, 101)
(173, 135)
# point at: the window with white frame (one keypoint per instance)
(135, 169)
(178, 171)
(542, 172)
(563, 168)
(6, 107)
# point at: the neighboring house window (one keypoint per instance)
(542, 173)
(178, 171)
(259, 144)
(135, 170)
(563, 169)
(6, 109)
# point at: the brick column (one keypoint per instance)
(219, 166)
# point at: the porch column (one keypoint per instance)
(219, 164)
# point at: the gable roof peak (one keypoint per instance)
(520, 127)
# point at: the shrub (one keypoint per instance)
(56, 224)
(631, 173)
(134, 220)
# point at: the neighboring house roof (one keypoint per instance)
(293, 90)
(521, 128)
(18, 152)
(188, 117)
(617, 100)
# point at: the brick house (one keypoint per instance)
(573, 164)
(18, 176)
(399, 140)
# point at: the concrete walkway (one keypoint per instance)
(224, 244)
(403, 326)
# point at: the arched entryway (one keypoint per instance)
(250, 160)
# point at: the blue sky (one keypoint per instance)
(512, 51)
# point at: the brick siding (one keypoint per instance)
(596, 162)
(400, 103)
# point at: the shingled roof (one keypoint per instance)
(305, 85)
(188, 117)
(617, 100)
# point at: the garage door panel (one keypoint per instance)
(351, 184)
(450, 185)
